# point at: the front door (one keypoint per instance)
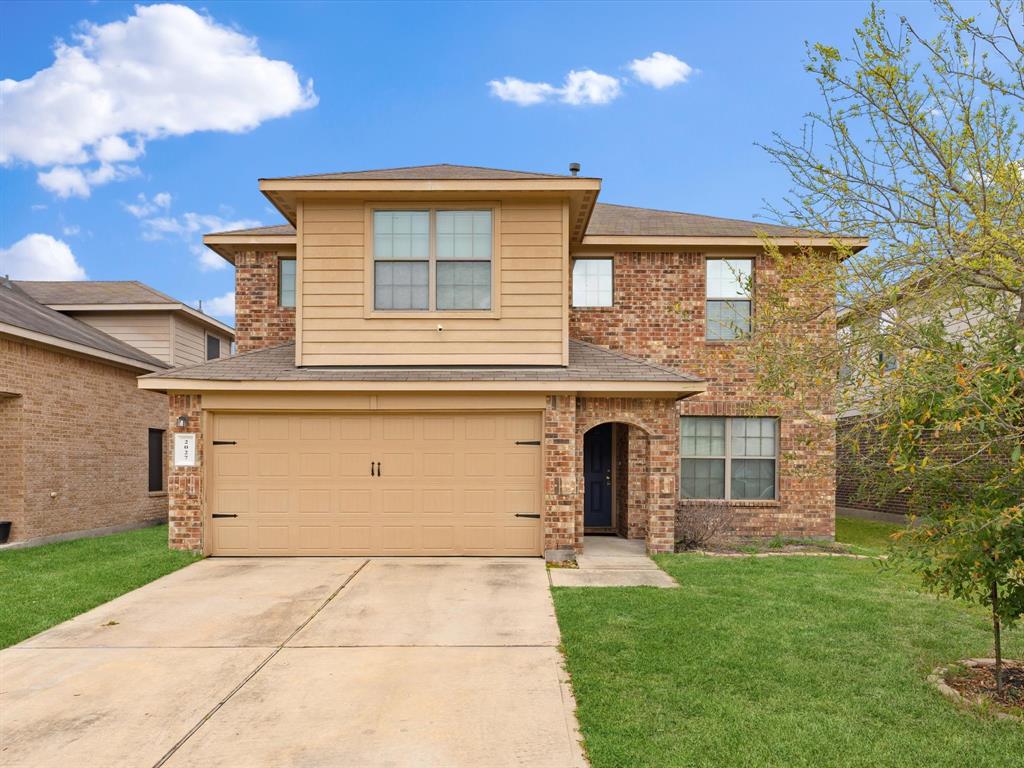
(597, 477)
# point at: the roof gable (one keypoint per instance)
(21, 311)
(439, 171)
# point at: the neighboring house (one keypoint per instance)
(451, 360)
(138, 315)
(82, 449)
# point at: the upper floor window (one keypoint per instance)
(432, 259)
(727, 458)
(286, 282)
(729, 283)
(212, 347)
(592, 283)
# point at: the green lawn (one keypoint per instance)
(785, 661)
(46, 585)
(864, 536)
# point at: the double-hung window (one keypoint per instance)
(592, 282)
(286, 283)
(727, 458)
(432, 259)
(729, 292)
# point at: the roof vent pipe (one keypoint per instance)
(574, 169)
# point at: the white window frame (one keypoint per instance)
(708, 298)
(611, 298)
(295, 288)
(728, 458)
(369, 307)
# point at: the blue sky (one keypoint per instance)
(391, 84)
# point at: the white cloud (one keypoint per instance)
(164, 71)
(143, 207)
(580, 87)
(521, 92)
(221, 306)
(40, 257)
(69, 181)
(71, 230)
(190, 227)
(660, 70)
(590, 87)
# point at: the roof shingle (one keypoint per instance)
(587, 362)
(440, 171)
(628, 221)
(93, 292)
(19, 309)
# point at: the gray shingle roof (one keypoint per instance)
(626, 220)
(93, 292)
(587, 362)
(19, 309)
(274, 229)
(441, 171)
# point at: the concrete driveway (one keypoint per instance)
(301, 662)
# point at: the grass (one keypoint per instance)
(788, 661)
(46, 585)
(866, 537)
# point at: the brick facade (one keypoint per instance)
(185, 484)
(849, 464)
(73, 443)
(259, 320)
(658, 314)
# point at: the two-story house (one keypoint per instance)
(82, 449)
(453, 360)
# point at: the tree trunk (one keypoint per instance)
(997, 638)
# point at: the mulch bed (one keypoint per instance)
(973, 681)
(760, 548)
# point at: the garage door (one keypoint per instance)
(423, 484)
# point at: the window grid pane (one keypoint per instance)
(400, 285)
(753, 479)
(729, 278)
(592, 283)
(703, 478)
(464, 235)
(727, 320)
(286, 283)
(401, 235)
(463, 285)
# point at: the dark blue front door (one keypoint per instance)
(597, 477)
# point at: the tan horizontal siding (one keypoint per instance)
(189, 342)
(530, 270)
(147, 331)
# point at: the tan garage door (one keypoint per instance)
(423, 484)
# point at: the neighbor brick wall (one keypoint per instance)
(259, 320)
(78, 428)
(848, 486)
(658, 314)
(185, 484)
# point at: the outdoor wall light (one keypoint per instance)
(182, 421)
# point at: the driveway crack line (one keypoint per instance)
(216, 708)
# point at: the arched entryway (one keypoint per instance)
(614, 466)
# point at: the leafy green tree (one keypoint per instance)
(918, 148)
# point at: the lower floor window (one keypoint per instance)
(727, 458)
(156, 460)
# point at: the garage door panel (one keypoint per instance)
(449, 484)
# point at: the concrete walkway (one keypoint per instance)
(312, 662)
(609, 561)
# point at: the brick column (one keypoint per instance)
(636, 494)
(662, 476)
(185, 484)
(561, 468)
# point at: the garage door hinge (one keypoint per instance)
(225, 442)
(527, 442)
